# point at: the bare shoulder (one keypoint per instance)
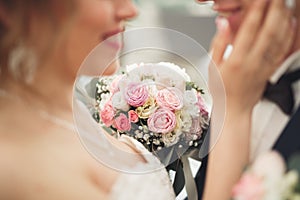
(47, 161)
(8, 171)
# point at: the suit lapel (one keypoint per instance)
(289, 140)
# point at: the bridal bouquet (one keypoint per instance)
(157, 104)
(268, 179)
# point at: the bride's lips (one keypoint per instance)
(112, 39)
(233, 13)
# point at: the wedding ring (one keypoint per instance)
(290, 4)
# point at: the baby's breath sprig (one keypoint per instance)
(192, 85)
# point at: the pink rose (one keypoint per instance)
(170, 98)
(162, 121)
(250, 187)
(107, 114)
(122, 123)
(133, 116)
(202, 106)
(196, 129)
(136, 94)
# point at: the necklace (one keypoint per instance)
(42, 113)
(56, 120)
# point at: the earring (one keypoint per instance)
(22, 63)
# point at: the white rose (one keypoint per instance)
(271, 167)
(132, 67)
(123, 83)
(176, 68)
(193, 110)
(171, 75)
(119, 102)
(140, 72)
(186, 121)
(190, 97)
(104, 99)
(152, 88)
(170, 138)
(183, 121)
(264, 167)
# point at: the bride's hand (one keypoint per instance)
(258, 50)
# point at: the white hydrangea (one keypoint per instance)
(119, 102)
(176, 69)
(190, 97)
(164, 74)
(104, 99)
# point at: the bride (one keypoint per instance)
(42, 46)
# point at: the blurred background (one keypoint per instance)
(185, 16)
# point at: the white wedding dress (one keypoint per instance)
(145, 181)
(147, 186)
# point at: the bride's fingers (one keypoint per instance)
(220, 41)
(250, 28)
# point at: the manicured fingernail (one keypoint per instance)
(290, 4)
(222, 24)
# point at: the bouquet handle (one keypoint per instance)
(183, 177)
(190, 185)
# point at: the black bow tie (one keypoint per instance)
(281, 93)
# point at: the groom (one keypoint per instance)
(276, 118)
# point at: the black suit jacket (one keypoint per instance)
(287, 144)
(289, 141)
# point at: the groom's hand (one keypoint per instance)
(263, 40)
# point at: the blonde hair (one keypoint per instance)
(29, 27)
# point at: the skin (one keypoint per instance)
(251, 69)
(39, 159)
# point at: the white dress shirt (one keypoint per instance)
(268, 120)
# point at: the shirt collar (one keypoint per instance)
(290, 64)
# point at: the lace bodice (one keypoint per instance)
(147, 186)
